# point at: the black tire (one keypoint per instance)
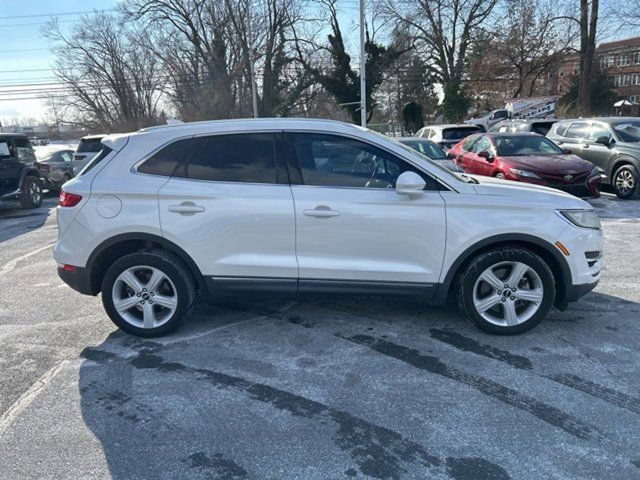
(168, 264)
(620, 182)
(31, 196)
(482, 262)
(499, 175)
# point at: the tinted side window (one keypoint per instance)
(332, 161)
(561, 129)
(467, 145)
(164, 162)
(483, 144)
(248, 158)
(24, 150)
(598, 131)
(104, 151)
(577, 130)
(92, 145)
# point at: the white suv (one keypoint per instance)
(287, 206)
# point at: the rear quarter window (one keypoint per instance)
(560, 129)
(165, 161)
(104, 151)
(91, 145)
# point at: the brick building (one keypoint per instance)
(620, 59)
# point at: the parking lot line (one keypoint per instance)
(11, 264)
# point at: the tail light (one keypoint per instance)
(69, 199)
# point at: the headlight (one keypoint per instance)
(582, 218)
(523, 173)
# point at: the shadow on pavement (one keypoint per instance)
(15, 220)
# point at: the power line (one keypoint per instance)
(57, 14)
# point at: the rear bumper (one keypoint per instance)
(79, 279)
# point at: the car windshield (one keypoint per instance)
(425, 147)
(458, 133)
(516, 145)
(628, 131)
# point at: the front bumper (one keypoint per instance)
(575, 292)
(79, 279)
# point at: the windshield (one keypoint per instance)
(459, 133)
(425, 147)
(628, 131)
(513, 146)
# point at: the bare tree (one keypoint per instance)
(445, 30)
(109, 81)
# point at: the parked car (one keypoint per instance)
(56, 168)
(431, 150)
(447, 136)
(239, 211)
(527, 157)
(88, 148)
(612, 144)
(489, 119)
(539, 126)
(19, 177)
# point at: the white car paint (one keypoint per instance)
(260, 230)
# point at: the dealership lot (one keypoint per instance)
(315, 388)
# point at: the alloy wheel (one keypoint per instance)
(625, 182)
(508, 293)
(35, 193)
(144, 297)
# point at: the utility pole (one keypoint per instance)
(363, 80)
(252, 73)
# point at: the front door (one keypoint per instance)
(353, 229)
(598, 154)
(232, 213)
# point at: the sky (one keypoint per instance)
(24, 48)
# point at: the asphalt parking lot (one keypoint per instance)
(316, 388)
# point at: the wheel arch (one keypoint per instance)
(109, 250)
(620, 161)
(549, 253)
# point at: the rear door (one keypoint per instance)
(9, 167)
(229, 206)
(353, 229)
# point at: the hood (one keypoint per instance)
(559, 164)
(528, 193)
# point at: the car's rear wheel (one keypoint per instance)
(148, 294)
(506, 291)
(625, 182)
(31, 196)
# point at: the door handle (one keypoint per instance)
(186, 208)
(321, 211)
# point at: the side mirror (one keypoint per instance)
(451, 155)
(568, 151)
(604, 140)
(410, 183)
(487, 155)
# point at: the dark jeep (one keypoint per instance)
(19, 177)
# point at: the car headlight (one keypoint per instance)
(523, 173)
(582, 218)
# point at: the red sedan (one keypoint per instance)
(526, 157)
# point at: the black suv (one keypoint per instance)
(611, 143)
(19, 177)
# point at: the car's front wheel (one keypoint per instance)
(625, 182)
(148, 294)
(506, 291)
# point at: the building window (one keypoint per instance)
(633, 98)
(625, 59)
(638, 57)
(635, 79)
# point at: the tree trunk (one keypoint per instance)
(587, 52)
